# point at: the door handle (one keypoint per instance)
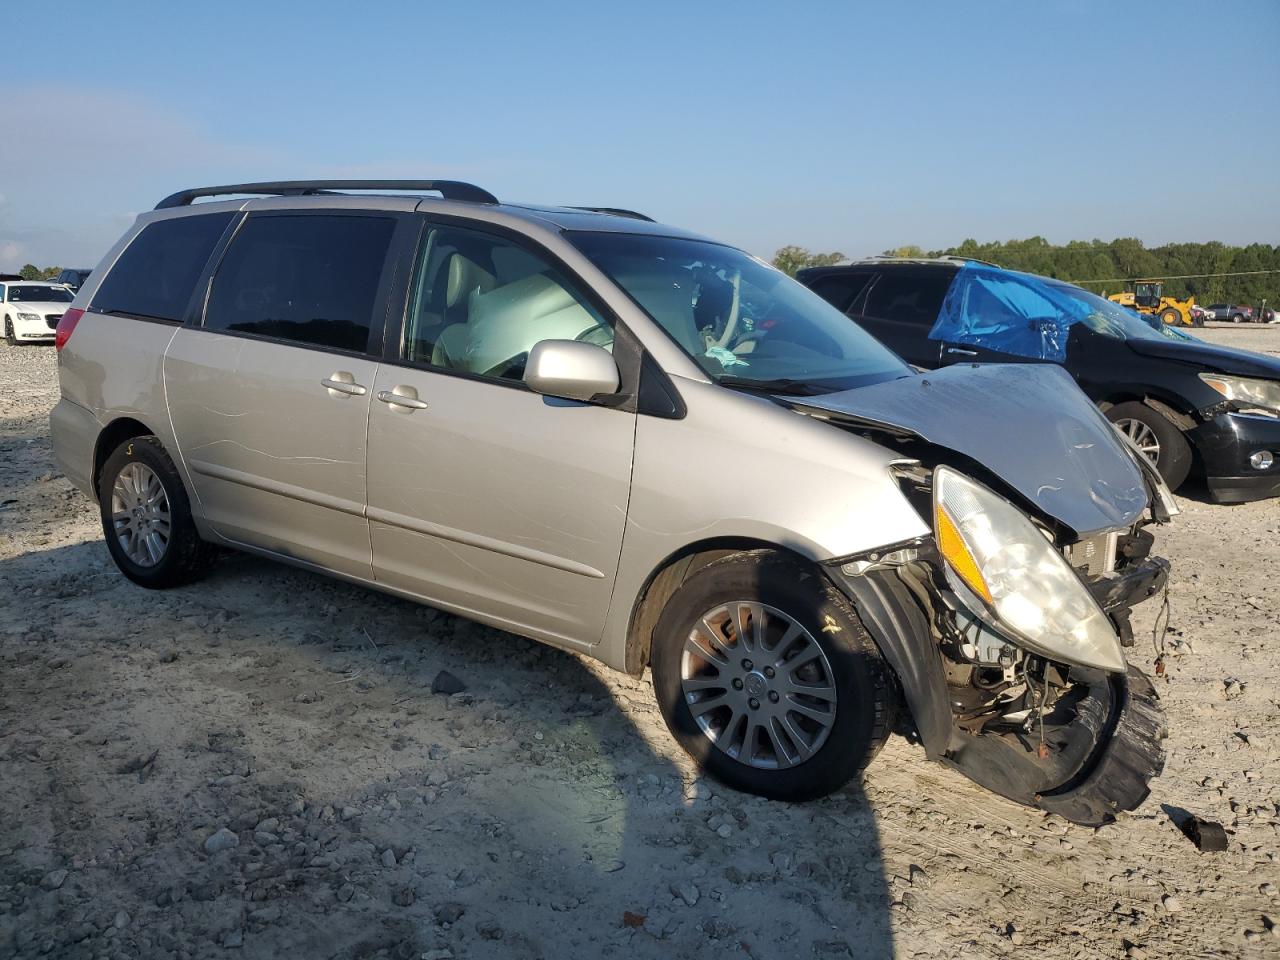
(956, 351)
(343, 383)
(406, 398)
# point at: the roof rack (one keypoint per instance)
(617, 212)
(449, 189)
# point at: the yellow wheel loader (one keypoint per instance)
(1145, 296)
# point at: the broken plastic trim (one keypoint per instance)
(1105, 746)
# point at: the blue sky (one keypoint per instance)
(844, 126)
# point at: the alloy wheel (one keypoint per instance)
(758, 685)
(140, 514)
(1143, 437)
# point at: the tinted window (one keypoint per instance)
(841, 289)
(309, 279)
(480, 303)
(155, 275)
(39, 294)
(909, 296)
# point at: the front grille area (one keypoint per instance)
(52, 319)
(1094, 556)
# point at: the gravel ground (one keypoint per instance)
(258, 764)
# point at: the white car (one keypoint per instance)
(31, 309)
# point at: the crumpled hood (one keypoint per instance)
(1243, 363)
(1027, 423)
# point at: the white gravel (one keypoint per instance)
(544, 811)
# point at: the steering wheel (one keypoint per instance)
(735, 305)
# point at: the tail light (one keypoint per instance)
(66, 327)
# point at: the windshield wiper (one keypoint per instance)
(799, 388)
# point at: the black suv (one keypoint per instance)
(73, 277)
(1184, 402)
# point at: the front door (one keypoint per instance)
(485, 497)
(270, 397)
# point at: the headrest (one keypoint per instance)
(465, 277)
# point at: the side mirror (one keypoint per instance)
(570, 369)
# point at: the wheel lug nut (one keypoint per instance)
(754, 703)
(768, 672)
(748, 665)
(773, 696)
(737, 684)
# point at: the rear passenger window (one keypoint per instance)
(913, 297)
(308, 279)
(841, 289)
(156, 273)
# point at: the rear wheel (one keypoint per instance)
(146, 517)
(766, 677)
(1237, 318)
(1158, 440)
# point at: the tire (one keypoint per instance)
(1173, 457)
(1237, 318)
(1171, 317)
(785, 595)
(184, 556)
(9, 337)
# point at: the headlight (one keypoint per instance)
(1000, 555)
(29, 317)
(1245, 390)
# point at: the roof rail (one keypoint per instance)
(449, 189)
(959, 259)
(617, 212)
(941, 258)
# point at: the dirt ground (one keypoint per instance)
(257, 766)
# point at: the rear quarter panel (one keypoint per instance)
(112, 367)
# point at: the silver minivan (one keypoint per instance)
(628, 441)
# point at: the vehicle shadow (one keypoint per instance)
(542, 811)
(1196, 488)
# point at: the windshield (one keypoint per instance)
(1112, 320)
(41, 294)
(744, 323)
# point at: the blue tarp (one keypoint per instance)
(1013, 313)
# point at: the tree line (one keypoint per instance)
(1103, 266)
(1099, 265)
(30, 271)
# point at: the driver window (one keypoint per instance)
(479, 303)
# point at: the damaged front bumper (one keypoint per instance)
(1226, 445)
(1086, 755)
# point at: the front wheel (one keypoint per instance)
(1171, 317)
(146, 517)
(9, 337)
(1156, 438)
(766, 677)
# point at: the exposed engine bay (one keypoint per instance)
(1080, 741)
